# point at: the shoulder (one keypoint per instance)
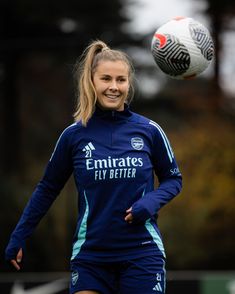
(152, 127)
(72, 128)
(68, 133)
(66, 138)
(146, 122)
(139, 119)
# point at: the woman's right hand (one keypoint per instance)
(16, 262)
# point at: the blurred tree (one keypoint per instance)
(203, 215)
(39, 26)
(221, 14)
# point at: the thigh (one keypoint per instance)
(93, 277)
(144, 275)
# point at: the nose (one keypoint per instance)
(113, 86)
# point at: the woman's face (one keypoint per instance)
(111, 82)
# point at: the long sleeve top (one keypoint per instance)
(113, 160)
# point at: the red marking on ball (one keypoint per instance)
(162, 39)
(179, 17)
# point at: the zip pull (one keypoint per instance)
(113, 113)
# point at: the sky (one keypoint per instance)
(147, 15)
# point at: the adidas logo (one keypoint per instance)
(88, 149)
(157, 287)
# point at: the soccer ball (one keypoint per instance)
(182, 48)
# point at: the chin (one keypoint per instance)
(111, 106)
(117, 108)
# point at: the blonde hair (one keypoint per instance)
(84, 70)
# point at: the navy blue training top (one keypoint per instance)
(113, 160)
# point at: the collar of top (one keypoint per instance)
(113, 114)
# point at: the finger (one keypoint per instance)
(15, 264)
(129, 218)
(129, 210)
(19, 255)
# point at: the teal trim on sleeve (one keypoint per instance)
(154, 234)
(165, 140)
(81, 237)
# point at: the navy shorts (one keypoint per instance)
(145, 275)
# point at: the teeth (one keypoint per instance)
(112, 96)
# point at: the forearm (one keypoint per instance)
(36, 208)
(149, 205)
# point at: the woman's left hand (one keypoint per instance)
(129, 216)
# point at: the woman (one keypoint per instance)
(113, 154)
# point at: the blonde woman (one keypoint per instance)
(113, 154)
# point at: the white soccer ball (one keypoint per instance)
(182, 48)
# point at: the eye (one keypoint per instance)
(105, 78)
(122, 80)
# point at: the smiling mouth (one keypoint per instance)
(113, 97)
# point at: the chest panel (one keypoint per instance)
(115, 153)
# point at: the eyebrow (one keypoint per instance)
(121, 76)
